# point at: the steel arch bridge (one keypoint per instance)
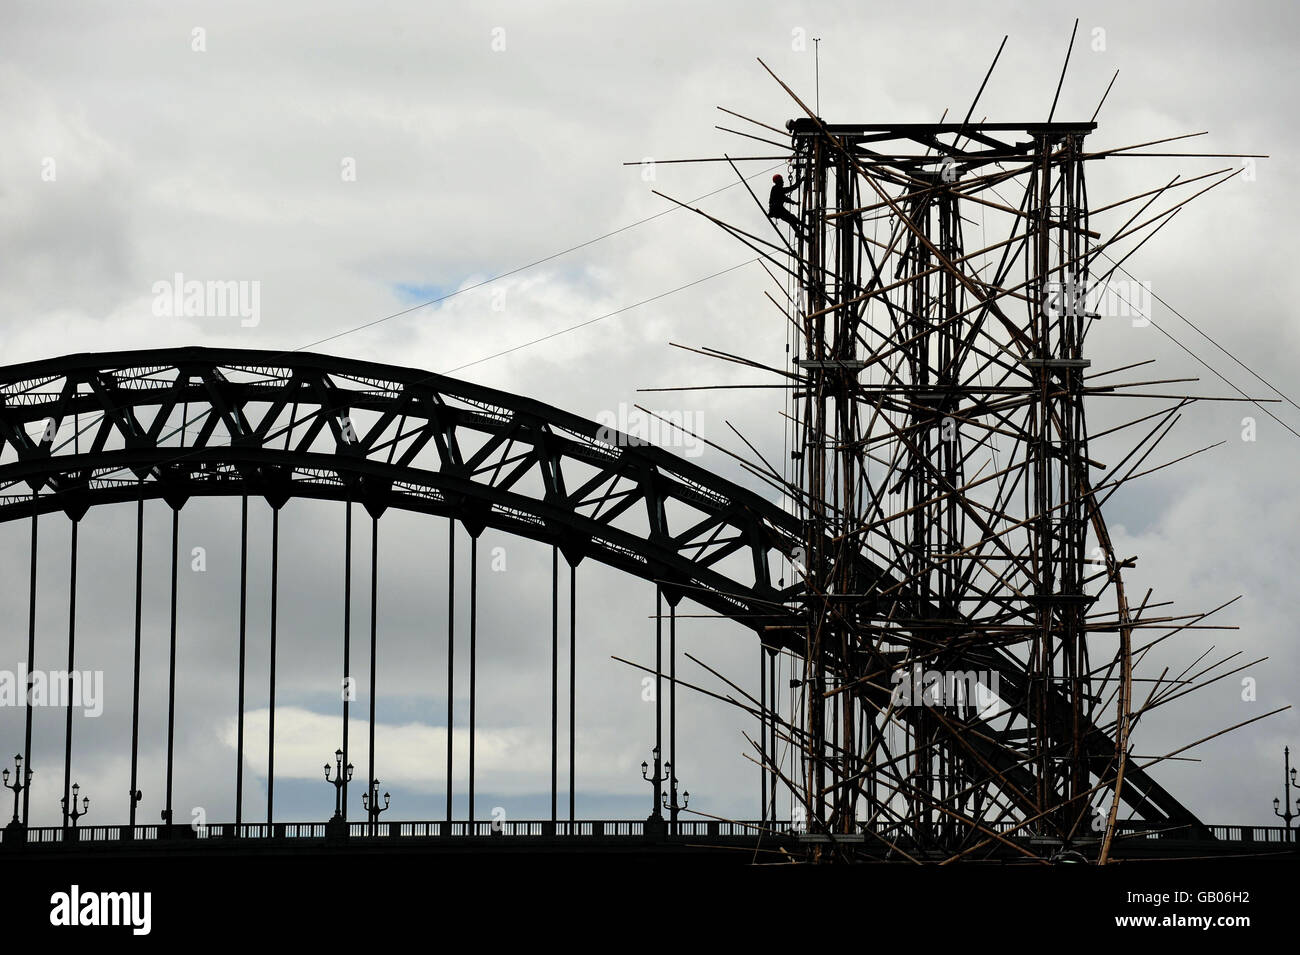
(173, 424)
(434, 445)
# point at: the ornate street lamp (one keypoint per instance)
(370, 801)
(74, 815)
(1288, 781)
(20, 783)
(342, 776)
(670, 798)
(657, 780)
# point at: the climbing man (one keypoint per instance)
(778, 199)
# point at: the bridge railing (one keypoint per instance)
(579, 829)
(586, 828)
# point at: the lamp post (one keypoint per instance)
(16, 832)
(670, 798)
(370, 801)
(342, 776)
(73, 814)
(20, 783)
(655, 820)
(1288, 781)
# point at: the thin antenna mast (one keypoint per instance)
(817, 73)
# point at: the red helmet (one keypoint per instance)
(777, 178)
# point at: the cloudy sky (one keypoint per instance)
(358, 160)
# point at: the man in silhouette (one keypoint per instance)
(778, 199)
